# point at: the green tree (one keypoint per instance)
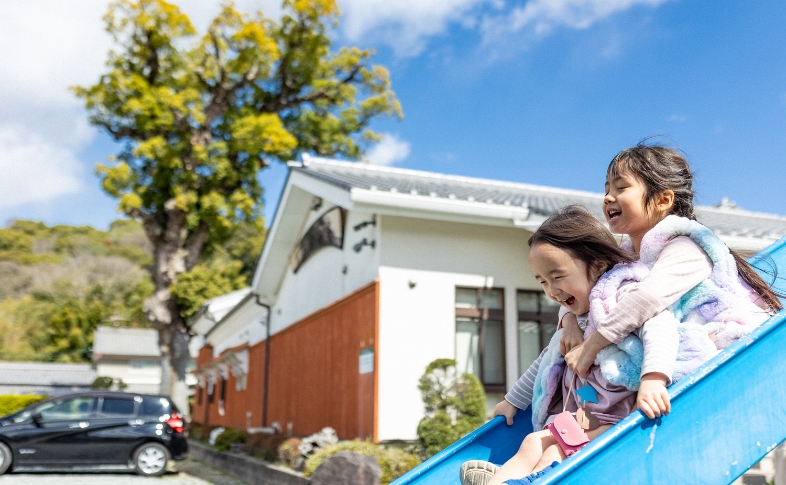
(455, 405)
(199, 121)
(206, 281)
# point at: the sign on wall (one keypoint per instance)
(366, 360)
(328, 230)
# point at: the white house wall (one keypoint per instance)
(140, 375)
(417, 323)
(329, 274)
(245, 325)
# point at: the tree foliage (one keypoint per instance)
(200, 121)
(455, 404)
(63, 281)
(206, 281)
(200, 116)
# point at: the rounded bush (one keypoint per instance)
(228, 437)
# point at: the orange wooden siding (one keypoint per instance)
(314, 376)
(237, 404)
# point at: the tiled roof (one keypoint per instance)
(130, 342)
(543, 200)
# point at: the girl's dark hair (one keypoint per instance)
(660, 169)
(574, 229)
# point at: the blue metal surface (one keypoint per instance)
(495, 441)
(725, 417)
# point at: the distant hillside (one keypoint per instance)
(58, 283)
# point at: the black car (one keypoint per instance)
(94, 430)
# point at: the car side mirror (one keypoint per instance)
(38, 419)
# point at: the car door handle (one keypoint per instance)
(81, 424)
(136, 422)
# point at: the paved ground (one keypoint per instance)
(187, 472)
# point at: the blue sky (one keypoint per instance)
(534, 91)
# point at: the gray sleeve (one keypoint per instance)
(521, 394)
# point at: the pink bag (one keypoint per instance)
(569, 435)
(566, 430)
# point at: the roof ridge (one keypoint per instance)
(498, 183)
(442, 176)
(741, 212)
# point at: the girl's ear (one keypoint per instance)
(663, 202)
(597, 268)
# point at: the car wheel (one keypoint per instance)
(5, 458)
(150, 459)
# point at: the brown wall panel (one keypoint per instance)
(237, 403)
(314, 376)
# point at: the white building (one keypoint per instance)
(129, 354)
(370, 273)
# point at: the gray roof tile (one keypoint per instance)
(540, 199)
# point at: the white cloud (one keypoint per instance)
(49, 45)
(34, 170)
(538, 18)
(404, 25)
(544, 15)
(389, 151)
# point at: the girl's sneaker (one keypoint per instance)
(532, 477)
(477, 472)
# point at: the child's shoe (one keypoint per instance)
(532, 477)
(477, 472)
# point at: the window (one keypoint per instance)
(156, 406)
(68, 409)
(200, 390)
(117, 406)
(480, 335)
(537, 323)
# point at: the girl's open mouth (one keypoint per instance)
(612, 214)
(570, 301)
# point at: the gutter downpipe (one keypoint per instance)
(266, 368)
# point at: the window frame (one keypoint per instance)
(483, 315)
(540, 317)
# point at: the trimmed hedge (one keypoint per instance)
(228, 437)
(11, 403)
(393, 462)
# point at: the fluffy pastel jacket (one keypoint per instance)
(711, 316)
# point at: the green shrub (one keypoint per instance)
(228, 437)
(105, 383)
(393, 462)
(11, 403)
(455, 405)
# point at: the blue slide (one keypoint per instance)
(725, 417)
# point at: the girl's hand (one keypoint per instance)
(653, 398)
(572, 335)
(580, 358)
(504, 408)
